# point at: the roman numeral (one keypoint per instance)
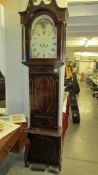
(53, 49)
(44, 55)
(34, 49)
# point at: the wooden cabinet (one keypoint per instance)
(14, 142)
(7, 143)
(22, 139)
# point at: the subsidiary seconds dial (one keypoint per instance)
(43, 34)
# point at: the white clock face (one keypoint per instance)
(43, 35)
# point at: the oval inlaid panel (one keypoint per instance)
(44, 94)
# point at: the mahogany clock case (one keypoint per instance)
(44, 139)
(44, 90)
(44, 148)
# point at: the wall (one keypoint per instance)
(86, 67)
(2, 42)
(1, 1)
(61, 92)
(17, 100)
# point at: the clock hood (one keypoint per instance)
(56, 7)
(60, 3)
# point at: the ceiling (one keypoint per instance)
(82, 26)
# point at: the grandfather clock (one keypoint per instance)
(43, 34)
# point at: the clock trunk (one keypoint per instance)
(44, 92)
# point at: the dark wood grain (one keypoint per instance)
(44, 147)
(44, 89)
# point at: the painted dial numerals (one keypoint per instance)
(43, 43)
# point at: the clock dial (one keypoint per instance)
(43, 34)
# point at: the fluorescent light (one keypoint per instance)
(84, 42)
(82, 0)
(88, 42)
(86, 54)
(91, 42)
